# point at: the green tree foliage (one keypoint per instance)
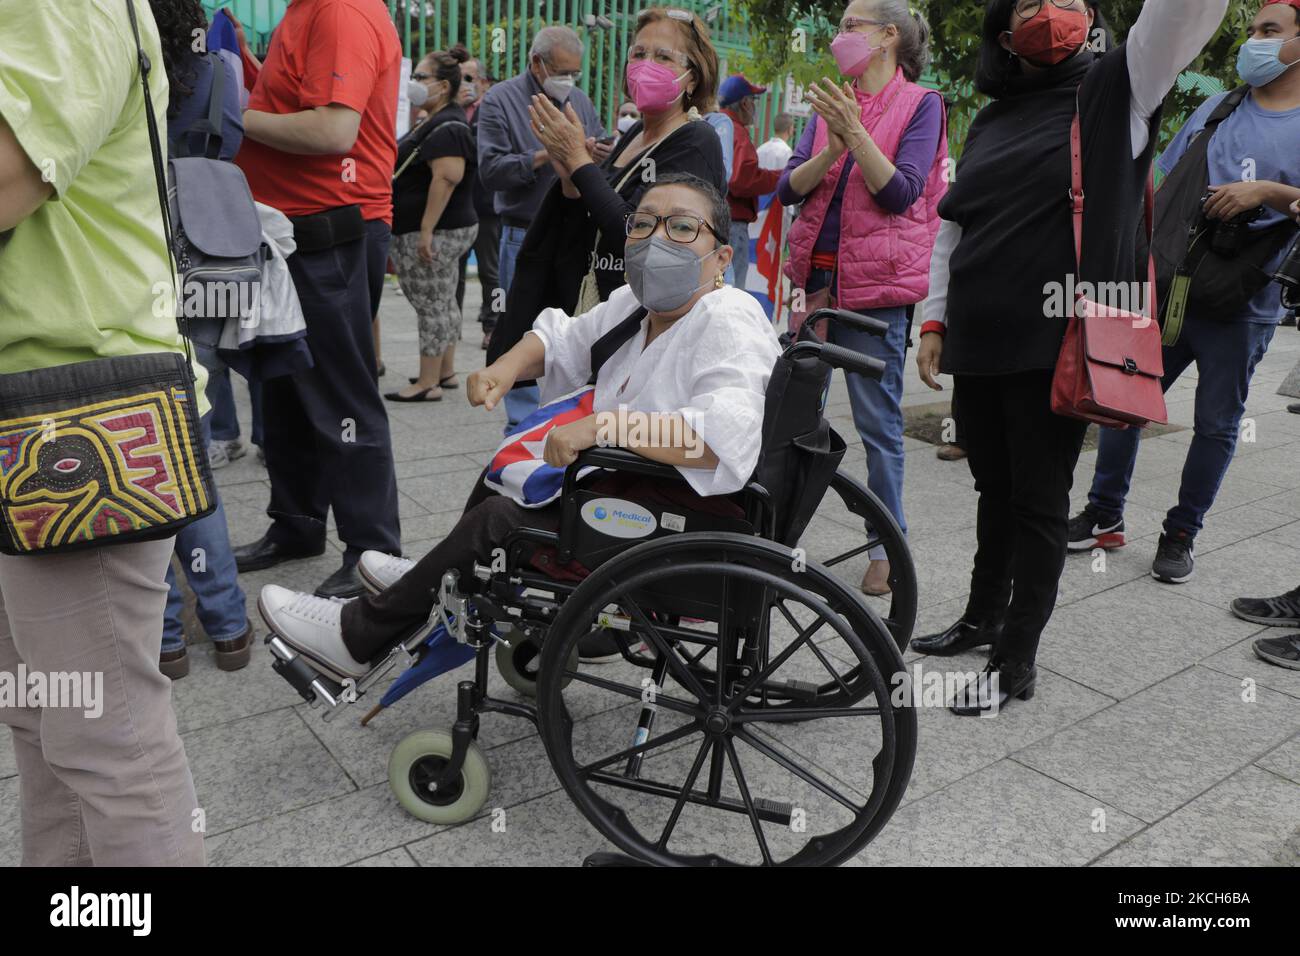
(793, 36)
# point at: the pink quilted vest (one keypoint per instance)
(884, 258)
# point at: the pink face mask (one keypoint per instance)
(652, 85)
(853, 53)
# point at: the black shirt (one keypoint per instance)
(445, 133)
(1010, 197)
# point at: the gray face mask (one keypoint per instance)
(662, 274)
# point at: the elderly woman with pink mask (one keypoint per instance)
(572, 255)
(869, 171)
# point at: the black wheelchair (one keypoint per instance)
(754, 703)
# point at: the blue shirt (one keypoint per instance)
(1270, 141)
(726, 133)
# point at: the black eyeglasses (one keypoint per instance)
(683, 229)
(421, 77)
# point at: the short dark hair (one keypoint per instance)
(720, 212)
(996, 65)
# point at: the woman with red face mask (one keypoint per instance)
(572, 254)
(1004, 253)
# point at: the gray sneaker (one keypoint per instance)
(235, 449)
(1283, 651)
(217, 457)
(1174, 561)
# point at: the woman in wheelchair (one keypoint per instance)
(694, 371)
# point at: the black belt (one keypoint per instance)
(324, 230)
(516, 223)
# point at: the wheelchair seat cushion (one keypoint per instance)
(655, 496)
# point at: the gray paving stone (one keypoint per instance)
(1242, 662)
(1004, 815)
(258, 767)
(209, 696)
(1239, 524)
(331, 832)
(951, 747)
(11, 846)
(1284, 760)
(543, 832)
(1250, 819)
(1135, 635)
(1150, 754)
(398, 857)
(8, 767)
(1252, 568)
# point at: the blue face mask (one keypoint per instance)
(1260, 61)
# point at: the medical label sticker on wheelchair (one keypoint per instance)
(618, 518)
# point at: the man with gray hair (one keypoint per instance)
(512, 162)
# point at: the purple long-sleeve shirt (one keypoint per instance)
(912, 167)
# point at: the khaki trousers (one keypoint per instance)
(113, 789)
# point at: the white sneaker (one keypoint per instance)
(311, 625)
(381, 571)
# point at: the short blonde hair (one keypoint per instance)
(700, 54)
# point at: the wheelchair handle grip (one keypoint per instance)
(863, 323)
(837, 356)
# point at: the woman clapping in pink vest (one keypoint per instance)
(869, 170)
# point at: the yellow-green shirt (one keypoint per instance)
(87, 274)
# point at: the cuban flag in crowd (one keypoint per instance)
(517, 469)
(222, 41)
(766, 255)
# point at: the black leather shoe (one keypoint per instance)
(1015, 679)
(962, 636)
(265, 553)
(346, 582)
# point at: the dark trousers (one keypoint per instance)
(1225, 354)
(373, 623)
(487, 254)
(1022, 457)
(327, 439)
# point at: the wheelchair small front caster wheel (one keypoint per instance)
(521, 659)
(414, 767)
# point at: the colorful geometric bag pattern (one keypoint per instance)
(81, 475)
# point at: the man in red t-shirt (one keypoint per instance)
(319, 145)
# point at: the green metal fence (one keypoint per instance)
(498, 33)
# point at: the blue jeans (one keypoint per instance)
(519, 401)
(203, 547)
(739, 268)
(1225, 355)
(512, 237)
(877, 406)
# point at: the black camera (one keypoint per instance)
(1227, 236)
(1288, 277)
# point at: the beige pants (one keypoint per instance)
(113, 789)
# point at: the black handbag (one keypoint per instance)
(1195, 274)
(106, 451)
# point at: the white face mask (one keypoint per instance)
(417, 93)
(625, 123)
(557, 87)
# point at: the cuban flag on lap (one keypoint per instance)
(517, 469)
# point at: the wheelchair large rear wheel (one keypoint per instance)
(880, 530)
(683, 767)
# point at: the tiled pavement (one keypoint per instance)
(1157, 737)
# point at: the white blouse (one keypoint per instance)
(711, 366)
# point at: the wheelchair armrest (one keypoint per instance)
(619, 459)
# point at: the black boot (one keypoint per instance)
(962, 636)
(1015, 679)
